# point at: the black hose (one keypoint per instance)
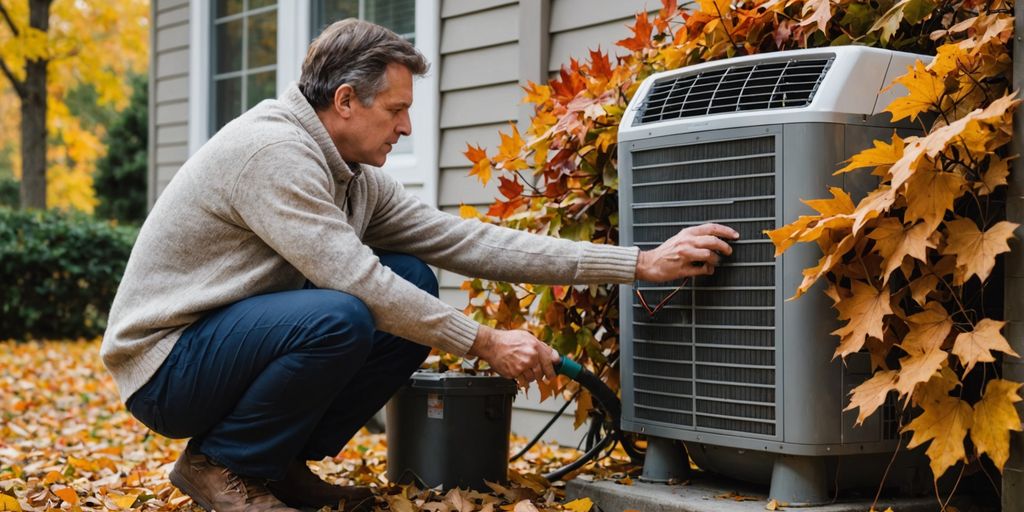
(606, 401)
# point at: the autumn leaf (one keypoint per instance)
(864, 311)
(817, 12)
(994, 417)
(870, 394)
(919, 367)
(67, 494)
(9, 503)
(930, 194)
(881, 155)
(928, 329)
(944, 421)
(894, 242)
(510, 188)
(922, 286)
(642, 29)
(977, 346)
(994, 176)
(975, 250)
(481, 164)
(924, 88)
(580, 505)
(469, 212)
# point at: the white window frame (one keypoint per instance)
(418, 169)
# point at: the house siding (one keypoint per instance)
(489, 49)
(168, 92)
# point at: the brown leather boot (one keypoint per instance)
(215, 487)
(302, 488)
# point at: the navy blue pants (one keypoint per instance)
(279, 377)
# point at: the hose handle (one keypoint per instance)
(568, 367)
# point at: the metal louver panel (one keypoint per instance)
(761, 86)
(707, 360)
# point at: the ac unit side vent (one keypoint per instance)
(762, 86)
(707, 360)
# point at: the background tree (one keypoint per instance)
(49, 48)
(121, 174)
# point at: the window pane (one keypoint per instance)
(228, 7)
(260, 87)
(334, 10)
(256, 4)
(229, 100)
(229, 47)
(398, 15)
(263, 39)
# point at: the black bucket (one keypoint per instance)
(450, 429)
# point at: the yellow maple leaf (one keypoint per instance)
(864, 311)
(840, 204)
(833, 255)
(919, 367)
(977, 346)
(930, 194)
(975, 250)
(469, 212)
(9, 503)
(994, 176)
(580, 505)
(870, 394)
(67, 494)
(894, 242)
(924, 91)
(125, 500)
(874, 204)
(922, 286)
(994, 417)
(928, 329)
(882, 155)
(944, 421)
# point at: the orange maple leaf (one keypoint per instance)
(870, 394)
(977, 346)
(894, 242)
(944, 421)
(975, 250)
(481, 164)
(994, 417)
(641, 34)
(865, 311)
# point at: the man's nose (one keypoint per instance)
(404, 125)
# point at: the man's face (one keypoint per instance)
(372, 131)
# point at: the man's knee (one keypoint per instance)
(412, 269)
(341, 316)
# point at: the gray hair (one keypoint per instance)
(357, 53)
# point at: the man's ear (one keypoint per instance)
(344, 95)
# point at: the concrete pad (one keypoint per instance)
(707, 494)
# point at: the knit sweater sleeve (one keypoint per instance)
(472, 248)
(286, 199)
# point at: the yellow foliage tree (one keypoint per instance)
(47, 49)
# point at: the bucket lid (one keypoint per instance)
(462, 383)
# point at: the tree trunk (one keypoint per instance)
(33, 118)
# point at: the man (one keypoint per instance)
(278, 293)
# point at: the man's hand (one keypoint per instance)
(515, 355)
(694, 251)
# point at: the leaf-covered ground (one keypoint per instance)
(66, 442)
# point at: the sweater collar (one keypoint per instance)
(307, 117)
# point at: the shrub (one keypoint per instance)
(10, 190)
(121, 174)
(58, 273)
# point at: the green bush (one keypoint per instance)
(58, 273)
(10, 190)
(121, 175)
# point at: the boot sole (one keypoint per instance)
(185, 486)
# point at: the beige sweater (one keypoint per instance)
(268, 203)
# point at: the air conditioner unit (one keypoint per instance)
(743, 377)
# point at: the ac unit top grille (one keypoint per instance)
(761, 86)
